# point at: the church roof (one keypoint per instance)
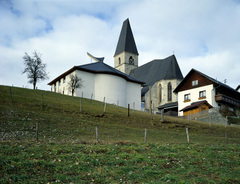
(98, 67)
(156, 70)
(126, 40)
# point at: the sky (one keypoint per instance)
(203, 34)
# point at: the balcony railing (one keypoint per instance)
(227, 99)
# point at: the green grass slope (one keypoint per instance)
(67, 151)
(60, 119)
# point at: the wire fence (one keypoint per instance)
(39, 117)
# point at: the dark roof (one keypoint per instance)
(157, 70)
(238, 87)
(126, 40)
(168, 105)
(216, 82)
(98, 67)
(195, 105)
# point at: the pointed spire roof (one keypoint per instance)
(126, 40)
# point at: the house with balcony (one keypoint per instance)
(198, 92)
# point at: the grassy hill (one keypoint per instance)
(67, 150)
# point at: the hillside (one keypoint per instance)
(67, 151)
(60, 120)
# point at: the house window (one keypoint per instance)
(64, 80)
(160, 93)
(187, 97)
(119, 60)
(202, 94)
(195, 83)
(59, 82)
(55, 87)
(169, 91)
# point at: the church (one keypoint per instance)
(161, 76)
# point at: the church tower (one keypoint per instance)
(126, 54)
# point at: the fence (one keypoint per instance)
(41, 118)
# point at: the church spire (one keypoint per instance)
(126, 42)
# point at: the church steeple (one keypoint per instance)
(126, 54)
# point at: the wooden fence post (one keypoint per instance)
(104, 108)
(145, 137)
(91, 96)
(37, 128)
(128, 110)
(97, 134)
(82, 94)
(226, 121)
(162, 115)
(11, 94)
(226, 137)
(80, 105)
(188, 117)
(42, 101)
(187, 135)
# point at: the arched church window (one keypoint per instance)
(169, 91)
(160, 93)
(119, 60)
(131, 60)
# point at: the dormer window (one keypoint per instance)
(195, 83)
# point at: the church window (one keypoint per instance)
(160, 93)
(131, 60)
(169, 91)
(119, 60)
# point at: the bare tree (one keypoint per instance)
(74, 83)
(35, 68)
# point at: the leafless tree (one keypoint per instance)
(35, 68)
(74, 83)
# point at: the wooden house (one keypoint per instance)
(198, 87)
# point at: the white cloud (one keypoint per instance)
(203, 34)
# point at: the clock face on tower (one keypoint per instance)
(131, 60)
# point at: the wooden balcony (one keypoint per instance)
(227, 99)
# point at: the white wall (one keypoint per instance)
(115, 89)
(134, 95)
(88, 84)
(194, 97)
(112, 87)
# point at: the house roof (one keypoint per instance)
(216, 82)
(126, 40)
(98, 67)
(157, 70)
(238, 87)
(168, 105)
(195, 105)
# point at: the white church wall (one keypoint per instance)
(134, 95)
(88, 85)
(112, 87)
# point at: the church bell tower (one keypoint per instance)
(126, 54)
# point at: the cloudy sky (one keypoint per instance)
(203, 34)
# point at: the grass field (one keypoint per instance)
(67, 151)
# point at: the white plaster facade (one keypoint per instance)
(99, 86)
(194, 96)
